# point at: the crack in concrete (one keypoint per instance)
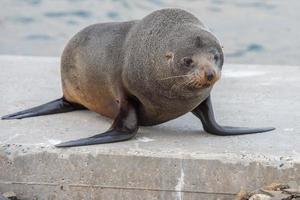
(114, 187)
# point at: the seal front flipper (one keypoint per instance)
(124, 127)
(205, 113)
(57, 106)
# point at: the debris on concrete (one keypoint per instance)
(3, 197)
(8, 196)
(275, 191)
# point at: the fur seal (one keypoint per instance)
(140, 73)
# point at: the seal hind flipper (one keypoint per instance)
(124, 127)
(56, 106)
(205, 113)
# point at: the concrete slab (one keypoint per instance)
(175, 160)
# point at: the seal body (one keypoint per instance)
(140, 73)
(92, 65)
(105, 63)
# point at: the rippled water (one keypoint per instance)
(251, 31)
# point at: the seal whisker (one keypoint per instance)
(192, 84)
(185, 83)
(187, 75)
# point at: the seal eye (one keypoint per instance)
(216, 58)
(187, 62)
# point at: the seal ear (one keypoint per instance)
(199, 42)
(170, 56)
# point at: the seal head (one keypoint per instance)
(198, 61)
(176, 59)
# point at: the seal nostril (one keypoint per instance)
(210, 76)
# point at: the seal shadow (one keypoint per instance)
(170, 128)
(170, 131)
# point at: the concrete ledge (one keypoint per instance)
(175, 160)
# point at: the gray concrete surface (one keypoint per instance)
(175, 160)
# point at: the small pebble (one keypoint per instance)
(260, 197)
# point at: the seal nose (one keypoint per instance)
(210, 75)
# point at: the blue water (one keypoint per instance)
(251, 31)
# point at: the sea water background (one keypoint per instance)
(251, 31)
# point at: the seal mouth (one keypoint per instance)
(207, 85)
(191, 82)
(199, 85)
(203, 79)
